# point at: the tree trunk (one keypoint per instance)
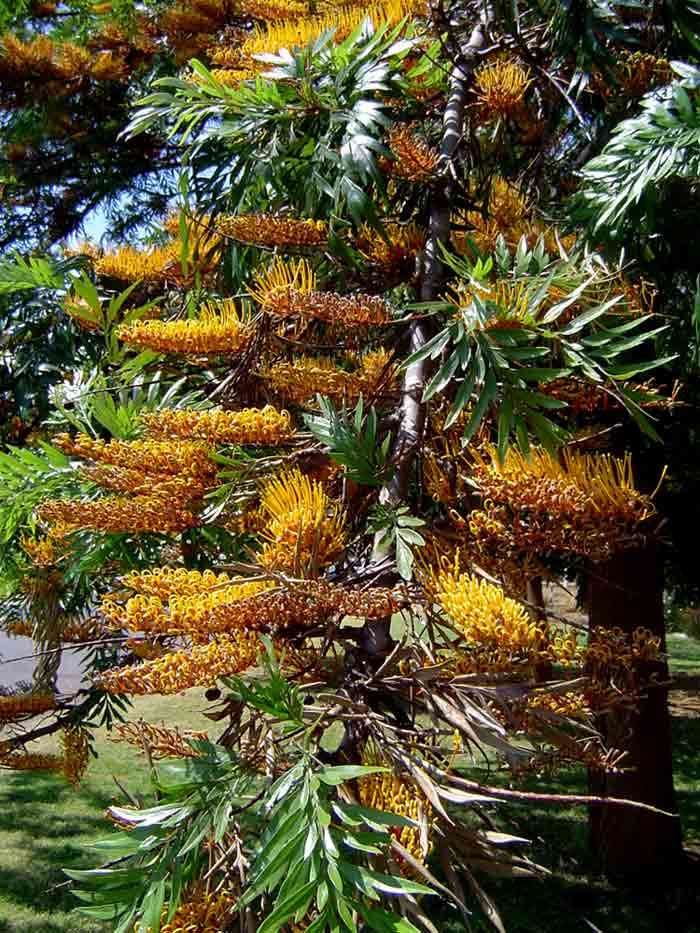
(47, 638)
(634, 845)
(538, 614)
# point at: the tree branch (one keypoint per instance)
(412, 410)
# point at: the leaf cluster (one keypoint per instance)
(353, 441)
(623, 184)
(493, 362)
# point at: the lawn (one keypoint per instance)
(45, 825)
(684, 653)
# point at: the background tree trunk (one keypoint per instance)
(633, 845)
(47, 639)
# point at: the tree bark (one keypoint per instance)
(47, 637)
(538, 614)
(635, 846)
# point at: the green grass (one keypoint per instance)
(684, 654)
(45, 826)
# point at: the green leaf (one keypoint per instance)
(340, 774)
(384, 922)
(287, 908)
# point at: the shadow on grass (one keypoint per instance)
(575, 898)
(40, 925)
(45, 830)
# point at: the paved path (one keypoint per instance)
(13, 671)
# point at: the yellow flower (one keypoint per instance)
(23, 705)
(116, 514)
(128, 264)
(148, 456)
(507, 214)
(167, 581)
(266, 426)
(303, 378)
(43, 58)
(219, 329)
(273, 230)
(202, 911)
(578, 503)
(184, 486)
(281, 281)
(297, 32)
(501, 86)
(109, 66)
(401, 247)
(76, 753)
(184, 613)
(414, 159)
(507, 303)
(635, 74)
(199, 666)
(305, 529)
(42, 552)
(161, 741)
(388, 792)
(498, 631)
(31, 761)
(287, 289)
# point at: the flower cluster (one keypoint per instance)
(303, 606)
(413, 159)
(507, 303)
(166, 478)
(288, 289)
(128, 264)
(184, 486)
(581, 396)
(273, 230)
(398, 247)
(581, 504)
(203, 911)
(296, 31)
(300, 380)
(305, 530)
(22, 705)
(199, 666)
(218, 329)
(31, 761)
(190, 24)
(118, 514)
(443, 471)
(42, 552)
(500, 87)
(57, 64)
(615, 650)
(161, 741)
(587, 397)
(181, 614)
(634, 74)
(498, 631)
(168, 581)
(388, 792)
(76, 753)
(264, 426)
(507, 215)
(150, 456)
